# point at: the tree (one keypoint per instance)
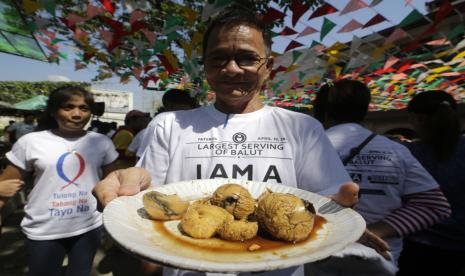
(145, 39)
(16, 91)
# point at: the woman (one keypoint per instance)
(66, 162)
(441, 150)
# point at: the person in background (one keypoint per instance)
(113, 126)
(133, 123)
(397, 195)
(441, 150)
(22, 128)
(10, 137)
(61, 217)
(238, 62)
(173, 99)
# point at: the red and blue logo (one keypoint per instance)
(61, 173)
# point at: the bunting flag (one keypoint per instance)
(293, 44)
(374, 20)
(375, 2)
(395, 35)
(295, 55)
(287, 31)
(273, 15)
(307, 31)
(353, 5)
(390, 62)
(108, 6)
(350, 26)
(31, 6)
(412, 17)
(438, 42)
(327, 26)
(298, 10)
(323, 10)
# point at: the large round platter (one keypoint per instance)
(125, 220)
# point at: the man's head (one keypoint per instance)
(177, 99)
(237, 58)
(343, 101)
(29, 118)
(132, 117)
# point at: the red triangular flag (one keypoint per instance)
(323, 10)
(273, 14)
(108, 6)
(353, 6)
(308, 30)
(292, 45)
(375, 20)
(352, 25)
(287, 31)
(297, 11)
(444, 10)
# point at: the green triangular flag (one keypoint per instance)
(314, 43)
(301, 76)
(172, 22)
(456, 31)
(457, 69)
(415, 73)
(49, 6)
(411, 18)
(327, 26)
(295, 55)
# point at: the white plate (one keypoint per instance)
(125, 221)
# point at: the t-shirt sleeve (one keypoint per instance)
(320, 169)
(18, 155)
(155, 158)
(417, 178)
(110, 154)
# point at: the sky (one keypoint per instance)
(19, 68)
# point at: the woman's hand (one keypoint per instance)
(10, 187)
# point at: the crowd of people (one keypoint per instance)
(409, 194)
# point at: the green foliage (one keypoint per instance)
(16, 91)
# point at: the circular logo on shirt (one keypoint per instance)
(239, 137)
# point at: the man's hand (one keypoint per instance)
(10, 187)
(373, 241)
(347, 195)
(119, 183)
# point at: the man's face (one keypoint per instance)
(236, 63)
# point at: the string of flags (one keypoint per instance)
(159, 45)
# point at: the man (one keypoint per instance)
(133, 123)
(237, 137)
(397, 195)
(23, 128)
(173, 99)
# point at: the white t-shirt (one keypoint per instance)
(21, 129)
(269, 145)
(136, 143)
(61, 204)
(385, 171)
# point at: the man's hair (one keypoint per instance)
(235, 16)
(177, 96)
(343, 101)
(440, 124)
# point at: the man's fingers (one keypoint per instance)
(347, 195)
(106, 190)
(133, 180)
(373, 241)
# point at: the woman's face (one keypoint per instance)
(73, 115)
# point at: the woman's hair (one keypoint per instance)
(439, 125)
(57, 98)
(343, 101)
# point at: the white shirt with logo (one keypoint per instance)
(385, 170)
(269, 145)
(60, 204)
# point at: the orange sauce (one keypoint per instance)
(219, 245)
